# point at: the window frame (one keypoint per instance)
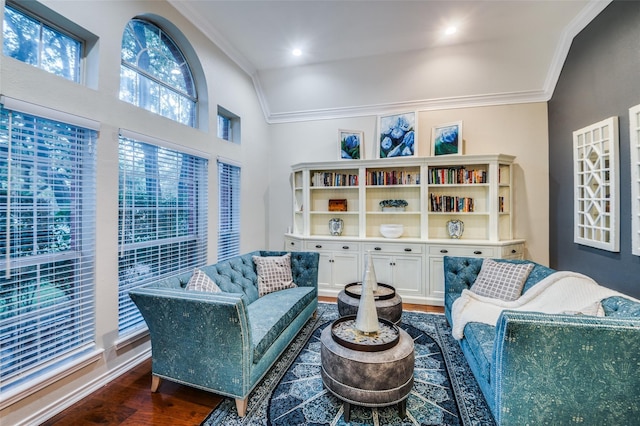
(229, 189)
(143, 77)
(54, 22)
(75, 307)
(136, 270)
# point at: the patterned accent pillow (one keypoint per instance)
(274, 273)
(501, 280)
(200, 281)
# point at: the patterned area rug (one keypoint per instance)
(444, 392)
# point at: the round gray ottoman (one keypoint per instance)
(388, 303)
(370, 379)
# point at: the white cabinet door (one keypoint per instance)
(345, 269)
(325, 271)
(407, 275)
(436, 279)
(404, 273)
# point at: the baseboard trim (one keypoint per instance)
(81, 392)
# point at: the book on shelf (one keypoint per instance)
(334, 179)
(449, 203)
(456, 175)
(392, 177)
(501, 204)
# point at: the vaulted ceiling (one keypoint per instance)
(366, 57)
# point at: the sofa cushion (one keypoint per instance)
(271, 314)
(618, 306)
(274, 273)
(501, 280)
(200, 281)
(480, 338)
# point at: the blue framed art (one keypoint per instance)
(446, 139)
(397, 135)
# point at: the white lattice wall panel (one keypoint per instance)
(596, 181)
(634, 143)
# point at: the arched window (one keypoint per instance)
(155, 75)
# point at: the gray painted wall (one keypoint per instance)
(600, 79)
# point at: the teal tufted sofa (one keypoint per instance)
(225, 342)
(544, 369)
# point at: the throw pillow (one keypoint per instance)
(274, 273)
(501, 280)
(200, 281)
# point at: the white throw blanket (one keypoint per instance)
(560, 292)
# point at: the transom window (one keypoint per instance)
(155, 75)
(35, 42)
(162, 219)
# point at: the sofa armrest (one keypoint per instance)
(564, 369)
(198, 338)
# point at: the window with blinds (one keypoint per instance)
(229, 210)
(162, 221)
(47, 233)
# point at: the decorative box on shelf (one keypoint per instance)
(338, 205)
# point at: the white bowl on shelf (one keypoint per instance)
(391, 230)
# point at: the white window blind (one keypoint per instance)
(47, 225)
(229, 210)
(162, 219)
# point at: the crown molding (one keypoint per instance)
(418, 105)
(209, 31)
(586, 15)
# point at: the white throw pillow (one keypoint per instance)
(200, 281)
(274, 273)
(501, 280)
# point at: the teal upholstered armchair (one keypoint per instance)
(225, 342)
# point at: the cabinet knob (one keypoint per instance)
(292, 243)
(318, 246)
(377, 248)
(444, 251)
(345, 247)
(514, 251)
(477, 252)
(407, 249)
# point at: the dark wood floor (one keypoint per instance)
(129, 401)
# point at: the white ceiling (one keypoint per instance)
(366, 57)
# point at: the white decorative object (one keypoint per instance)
(336, 225)
(367, 317)
(391, 230)
(455, 228)
(634, 143)
(370, 273)
(596, 182)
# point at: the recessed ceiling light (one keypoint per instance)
(450, 30)
(296, 52)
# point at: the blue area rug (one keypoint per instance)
(444, 392)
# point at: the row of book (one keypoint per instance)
(456, 175)
(447, 203)
(334, 179)
(393, 177)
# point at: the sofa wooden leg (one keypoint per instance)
(241, 406)
(315, 314)
(155, 383)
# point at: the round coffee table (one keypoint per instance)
(368, 378)
(388, 302)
